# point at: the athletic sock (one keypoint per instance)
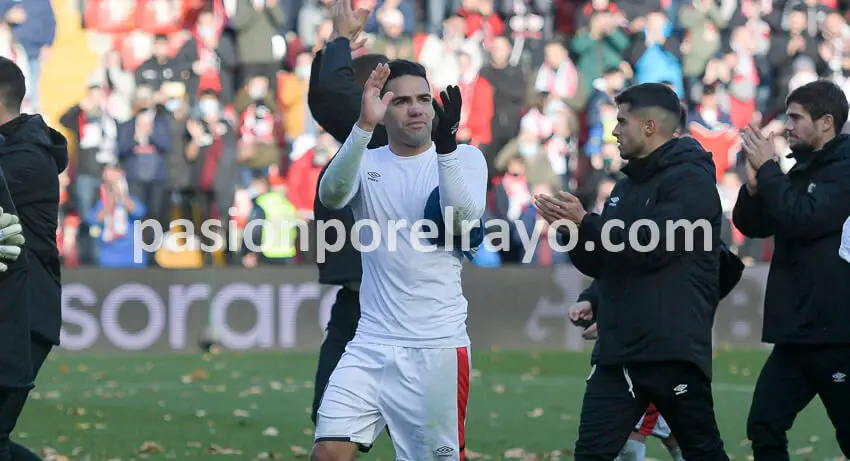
(633, 451)
(675, 453)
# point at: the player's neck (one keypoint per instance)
(6, 117)
(408, 151)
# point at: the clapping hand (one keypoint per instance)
(11, 238)
(758, 148)
(566, 207)
(348, 23)
(448, 120)
(373, 106)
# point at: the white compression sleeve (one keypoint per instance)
(463, 186)
(341, 180)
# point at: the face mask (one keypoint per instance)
(528, 149)
(257, 94)
(303, 72)
(206, 32)
(208, 107)
(173, 105)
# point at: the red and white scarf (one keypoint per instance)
(116, 219)
(562, 82)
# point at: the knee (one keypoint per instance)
(331, 451)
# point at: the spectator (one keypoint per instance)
(391, 42)
(211, 152)
(376, 23)
(477, 111)
(712, 127)
(259, 119)
(34, 27)
(144, 143)
(96, 136)
(113, 216)
(655, 53)
(302, 179)
(511, 198)
(508, 83)
(272, 226)
(211, 58)
(292, 99)
(161, 67)
(256, 23)
(312, 13)
(440, 55)
(785, 47)
(559, 77)
(482, 22)
(179, 175)
(599, 47)
(118, 84)
(703, 21)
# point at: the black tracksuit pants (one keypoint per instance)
(342, 325)
(792, 376)
(13, 405)
(617, 396)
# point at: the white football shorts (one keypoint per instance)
(652, 423)
(419, 394)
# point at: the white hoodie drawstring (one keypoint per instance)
(629, 381)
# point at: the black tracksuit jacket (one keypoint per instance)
(808, 287)
(657, 305)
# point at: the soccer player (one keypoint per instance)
(407, 367)
(652, 349)
(806, 302)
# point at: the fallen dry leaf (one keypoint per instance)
(299, 452)
(198, 375)
(276, 385)
(271, 432)
(814, 439)
(217, 450)
(64, 368)
(308, 431)
(536, 413)
(803, 451)
(240, 413)
(150, 448)
(498, 388)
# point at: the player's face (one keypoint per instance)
(410, 114)
(628, 133)
(799, 128)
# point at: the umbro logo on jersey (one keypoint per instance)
(839, 377)
(444, 452)
(680, 389)
(373, 175)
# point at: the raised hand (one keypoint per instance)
(373, 106)
(448, 120)
(348, 23)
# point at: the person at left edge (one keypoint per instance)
(32, 158)
(651, 349)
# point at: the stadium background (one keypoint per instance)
(131, 381)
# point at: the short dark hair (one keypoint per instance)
(653, 96)
(821, 98)
(209, 92)
(612, 70)
(364, 65)
(13, 86)
(402, 67)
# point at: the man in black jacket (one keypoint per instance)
(334, 96)
(807, 302)
(32, 158)
(658, 275)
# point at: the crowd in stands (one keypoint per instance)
(199, 107)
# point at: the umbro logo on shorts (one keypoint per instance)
(444, 452)
(838, 377)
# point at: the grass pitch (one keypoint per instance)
(523, 405)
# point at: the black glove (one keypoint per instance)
(448, 120)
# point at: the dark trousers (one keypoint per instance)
(13, 405)
(792, 376)
(616, 397)
(342, 325)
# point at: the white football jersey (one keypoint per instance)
(411, 293)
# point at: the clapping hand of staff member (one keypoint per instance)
(564, 207)
(348, 23)
(758, 148)
(11, 238)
